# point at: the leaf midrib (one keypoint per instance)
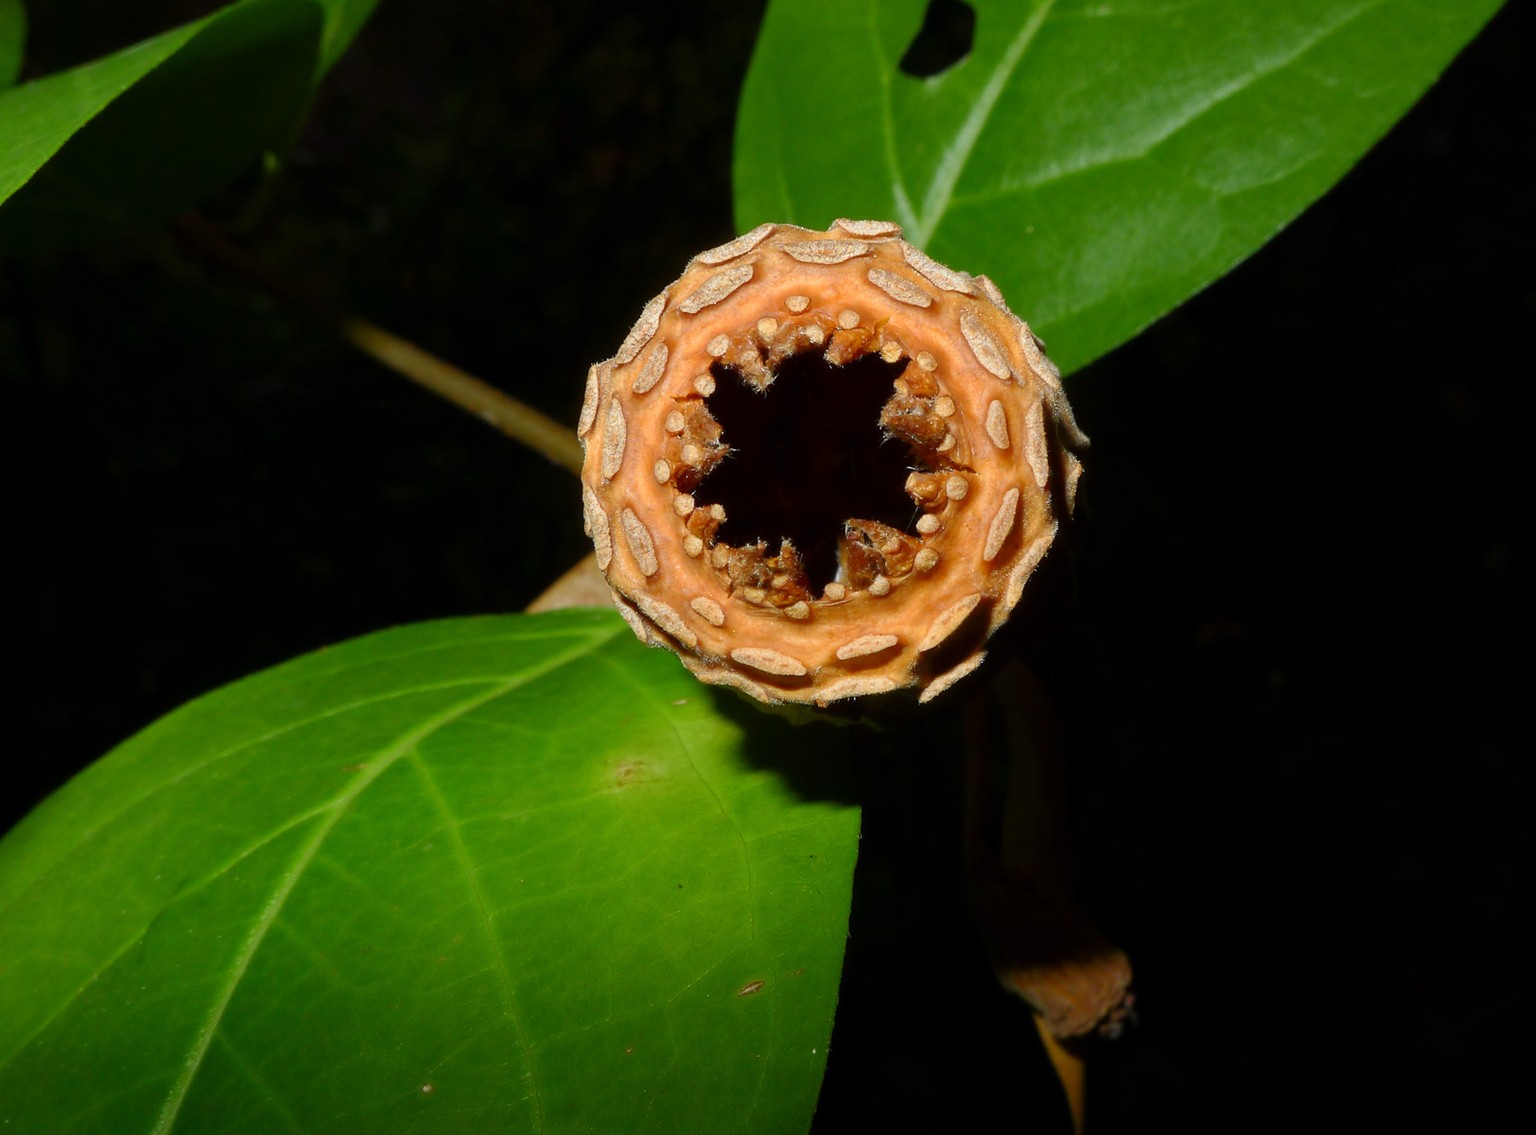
(958, 153)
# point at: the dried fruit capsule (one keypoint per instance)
(822, 466)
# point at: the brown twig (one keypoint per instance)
(516, 419)
(1043, 946)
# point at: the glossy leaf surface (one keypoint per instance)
(1101, 161)
(511, 873)
(129, 140)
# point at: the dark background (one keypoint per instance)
(1293, 681)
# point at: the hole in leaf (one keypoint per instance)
(946, 37)
(807, 455)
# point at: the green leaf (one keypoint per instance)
(509, 873)
(125, 143)
(1101, 161)
(13, 38)
(343, 20)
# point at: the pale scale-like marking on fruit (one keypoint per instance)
(693, 547)
(769, 661)
(926, 362)
(718, 287)
(947, 679)
(725, 676)
(997, 424)
(639, 537)
(944, 406)
(614, 433)
(675, 422)
(797, 304)
(655, 366)
(661, 471)
(868, 228)
(1061, 410)
(947, 444)
(1035, 356)
(814, 335)
(847, 319)
(667, 619)
(992, 292)
(767, 327)
(956, 486)
(738, 247)
(834, 591)
(1003, 520)
(925, 560)
(708, 610)
(683, 504)
(891, 351)
(854, 688)
(716, 347)
(1074, 471)
(866, 645)
(935, 273)
(1026, 565)
(800, 610)
(928, 524)
(826, 251)
(983, 344)
(879, 586)
(632, 617)
(588, 404)
(1037, 451)
(597, 527)
(640, 334)
(949, 621)
(704, 384)
(899, 288)
(755, 595)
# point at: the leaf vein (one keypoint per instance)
(953, 161)
(404, 747)
(482, 908)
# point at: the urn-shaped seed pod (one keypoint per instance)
(823, 466)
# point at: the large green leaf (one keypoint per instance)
(126, 142)
(1101, 161)
(509, 873)
(13, 39)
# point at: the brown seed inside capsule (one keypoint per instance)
(808, 454)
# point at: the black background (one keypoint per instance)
(1293, 681)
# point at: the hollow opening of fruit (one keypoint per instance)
(808, 454)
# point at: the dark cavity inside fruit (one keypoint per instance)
(807, 455)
